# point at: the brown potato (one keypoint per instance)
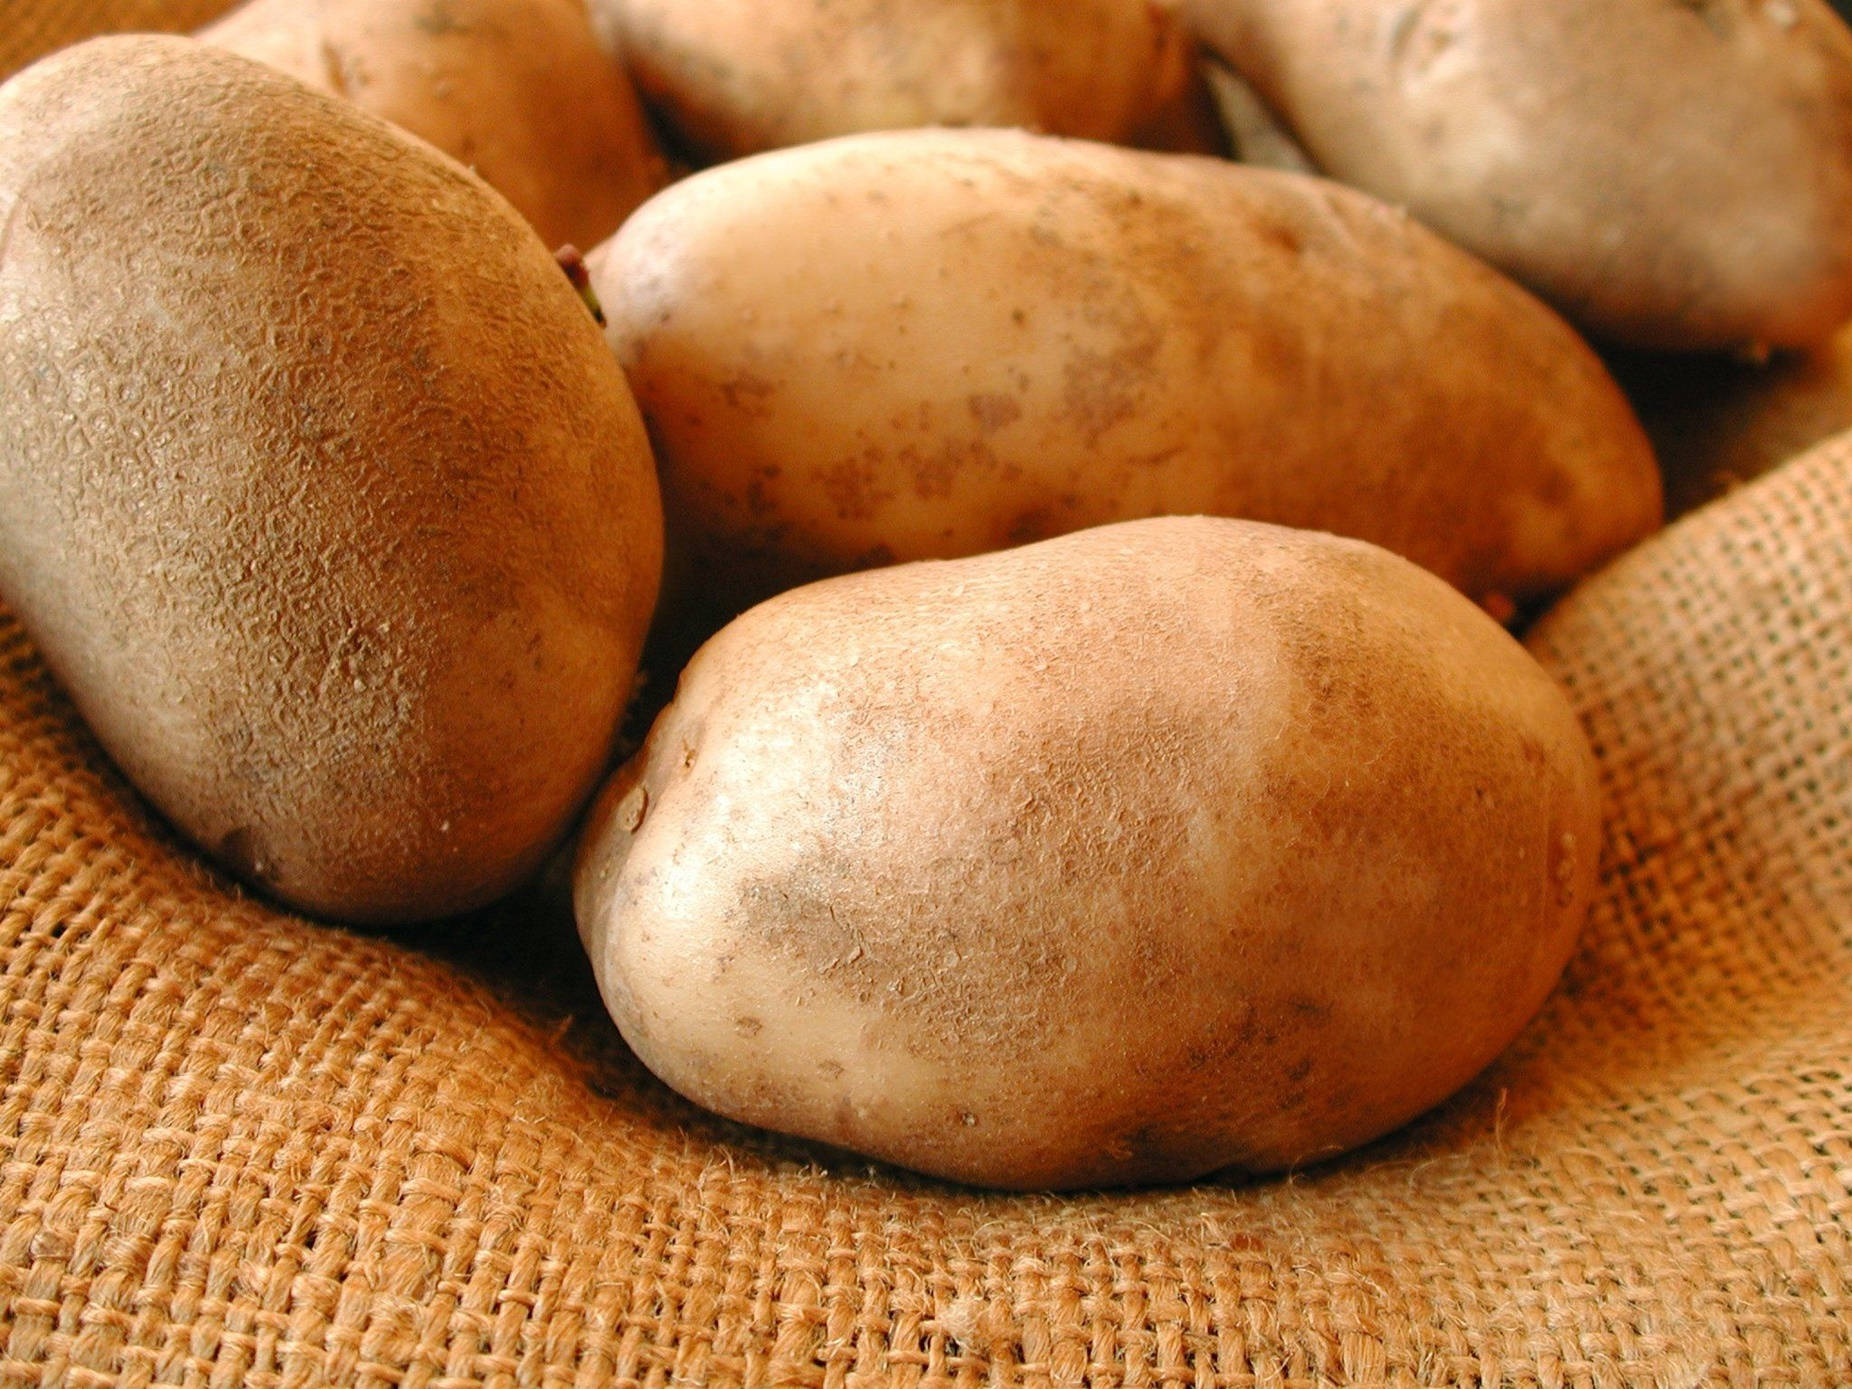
(321, 493)
(1159, 848)
(519, 90)
(932, 343)
(1668, 175)
(735, 77)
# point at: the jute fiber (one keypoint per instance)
(242, 1149)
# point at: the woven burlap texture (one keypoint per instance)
(237, 1148)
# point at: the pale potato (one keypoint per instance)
(1255, 135)
(924, 344)
(321, 493)
(519, 90)
(1160, 848)
(1667, 174)
(734, 77)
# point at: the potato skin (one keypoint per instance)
(319, 490)
(519, 90)
(1128, 856)
(927, 344)
(735, 77)
(1668, 175)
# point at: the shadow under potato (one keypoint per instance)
(1718, 421)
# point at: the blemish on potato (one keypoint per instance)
(1280, 235)
(438, 20)
(750, 394)
(1100, 389)
(1419, 36)
(854, 486)
(937, 474)
(334, 69)
(631, 809)
(1566, 869)
(994, 412)
(759, 500)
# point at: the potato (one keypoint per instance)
(519, 90)
(734, 77)
(1128, 856)
(320, 491)
(1255, 135)
(926, 344)
(1720, 422)
(1668, 175)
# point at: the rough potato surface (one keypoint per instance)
(1667, 174)
(933, 343)
(1127, 856)
(318, 488)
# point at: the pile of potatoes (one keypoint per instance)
(1103, 760)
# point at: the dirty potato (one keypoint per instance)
(519, 90)
(1160, 848)
(734, 77)
(1668, 175)
(934, 343)
(319, 491)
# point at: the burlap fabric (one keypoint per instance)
(237, 1148)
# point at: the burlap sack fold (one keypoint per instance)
(237, 1148)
